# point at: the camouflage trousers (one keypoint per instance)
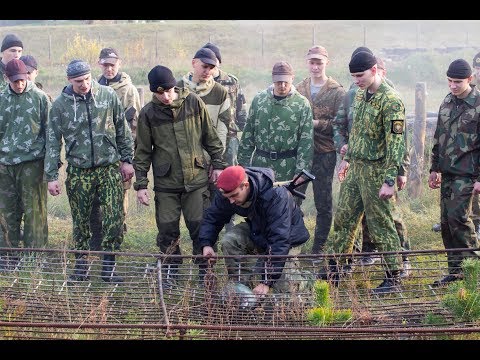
(23, 195)
(359, 196)
(364, 241)
(96, 217)
(456, 224)
(232, 150)
(82, 185)
(323, 168)
(169, 208)
(249, 270)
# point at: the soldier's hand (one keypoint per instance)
(386, 192)
(214, 175)
(434, 180)
(476, 188)
(127, 171)
(209, 253)
(54, 188)
(342, 170)
(401, 182)
(261, 289)
(143, 197)
(343, 149)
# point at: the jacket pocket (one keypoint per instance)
(161, 170)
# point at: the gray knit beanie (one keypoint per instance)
(77, 68)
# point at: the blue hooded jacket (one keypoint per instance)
(276, 222)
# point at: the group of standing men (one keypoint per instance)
(188, 133)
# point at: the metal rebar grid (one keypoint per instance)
(155, 301)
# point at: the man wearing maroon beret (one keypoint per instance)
(273, 225)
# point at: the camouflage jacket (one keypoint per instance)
(277, 126)
(3, 82)
(324, 107)
(23, 124)
(237, 101)
(93, 127)
(129, 97)
(378, 130)
(215, 96)
(456, 142)
(342, 125)
(172, 139)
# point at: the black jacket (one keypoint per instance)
(276, 222)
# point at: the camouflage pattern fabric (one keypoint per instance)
(93, 127)
(278, 126)
(456, 155)
(169, 208)
(325, 105)
(81, 185)
(23, 195)
(248, 271)
(364, 242)
(359, 195)
(456, 226)
(378, 130)
(23, 122)
(238, 113)
(456, 141)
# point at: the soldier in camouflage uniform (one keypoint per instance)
(110, 62)
(173, 131)
(375, 151)
(99, 150)
(214, 95)
(23, 190)
(454, 168)
(12, 48)
(342, 125)
(32, 67)
(237, 105)
(279, 129)
(237, 109)
(325, 95)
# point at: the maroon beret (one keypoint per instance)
(231, 178)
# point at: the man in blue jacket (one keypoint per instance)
(273, 225)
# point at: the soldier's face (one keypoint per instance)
(166, 97)
(317, 67)
(109, 71)
(11, 53)
(459, 86)
(81, 84)
(18, 86)
(201, 71)
(240, 195)
(282, 88)
(476, 70)
(363, 79)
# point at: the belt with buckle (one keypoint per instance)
(274, 155)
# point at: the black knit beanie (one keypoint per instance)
(361, 48)
(161, 78)
(361, 61)
(459, 69)
(11, 40)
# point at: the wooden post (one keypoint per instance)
(49, 48)
(263, 41)
(415, 185)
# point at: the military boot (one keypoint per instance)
(80, 271)
(333, 275)
(108, 268)
(391, 284)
